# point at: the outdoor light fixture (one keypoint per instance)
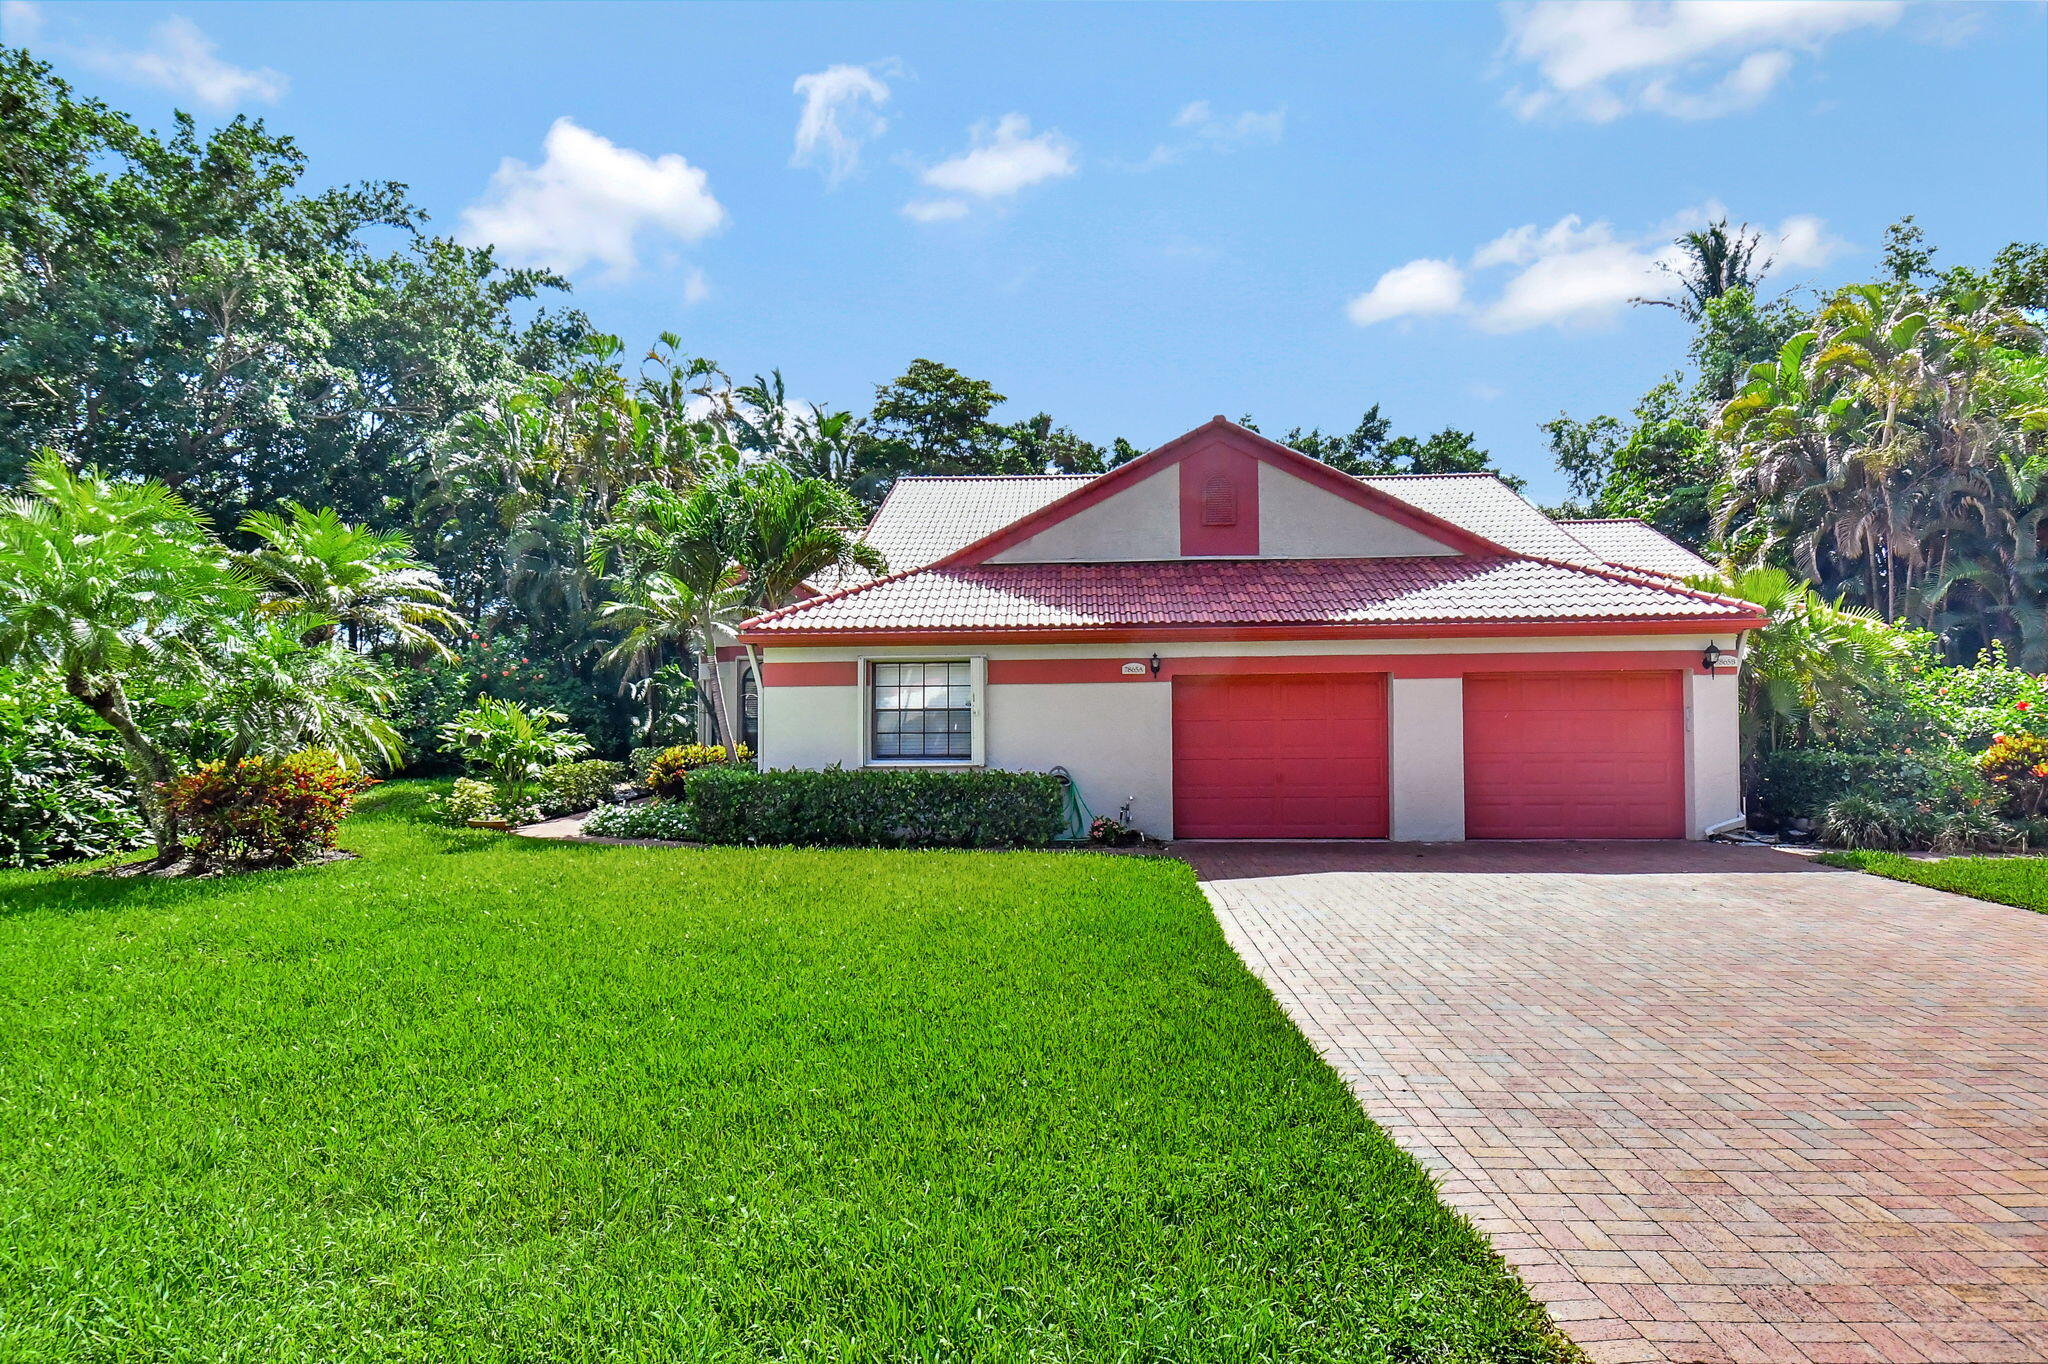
(1155, 665)
(1711, 659)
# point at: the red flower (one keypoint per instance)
(2023, 705)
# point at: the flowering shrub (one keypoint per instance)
(663, 819)
(666, 773)
(1112, 833)
(263, 811)
(2016, 765)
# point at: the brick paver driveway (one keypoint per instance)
(1714, 1103)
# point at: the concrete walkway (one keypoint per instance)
(1714, 1103)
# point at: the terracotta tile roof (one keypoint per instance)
(1484, 505)
(1628, 543)
(1245, 592)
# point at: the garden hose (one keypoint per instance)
(1079, 816)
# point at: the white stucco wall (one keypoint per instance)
(1140, 523)
(1426, 758)
(1109, 735)
(1298, 520)
(1713, 738)
(1116, 737)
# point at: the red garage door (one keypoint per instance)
(1280, 756)
(1575, 755)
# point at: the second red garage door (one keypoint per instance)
(1292, 756)
(1575, 755)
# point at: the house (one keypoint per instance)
(1246, 643)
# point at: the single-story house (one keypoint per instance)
(1244, 642)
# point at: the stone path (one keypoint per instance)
(1714, 1103)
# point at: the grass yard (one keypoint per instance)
(2020, 881)
(478, 1098)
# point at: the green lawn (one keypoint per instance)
(2021, 881)
(479, 1098)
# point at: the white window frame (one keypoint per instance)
(977, 676)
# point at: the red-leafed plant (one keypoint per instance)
(263, 812)
(2016, 765)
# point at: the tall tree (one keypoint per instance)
(1713, 260)
(178, 308)
(933, 419)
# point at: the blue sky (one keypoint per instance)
(1137, 216)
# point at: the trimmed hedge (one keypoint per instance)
(874, 808)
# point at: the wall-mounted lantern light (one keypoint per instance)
(1711, 659)
(1155, 665)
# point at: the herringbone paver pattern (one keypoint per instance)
(1714, 1104)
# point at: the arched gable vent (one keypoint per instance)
(1219, 501)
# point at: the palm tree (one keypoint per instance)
(1809, 671)
(1717, 259)
(274, 694)
(314, 563)
(789, 531)
(670, 558)
(104, 581)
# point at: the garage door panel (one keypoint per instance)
(1575, 755)
(1285, 756)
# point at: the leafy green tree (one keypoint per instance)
(1370, 449)
(933, 419)
(362, 580)
(1660, 467)
(176, 308)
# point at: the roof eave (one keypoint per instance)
(1734, 623)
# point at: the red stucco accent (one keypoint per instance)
(827, 674)
(1043, 671)
(1219, 502)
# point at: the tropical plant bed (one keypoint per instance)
(484, 1098)
(2017, 881)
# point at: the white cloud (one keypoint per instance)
(1802, 242)
(841, 114)
(1418, 289)
(179, 58)
(696, 288)
(589, 200)
(935, 210)
(1203, 129)
(1004, 159)
(1571, 273)
(1692, 59)
(20, 22)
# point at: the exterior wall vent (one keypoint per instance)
(1219, 502)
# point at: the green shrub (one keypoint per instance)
(641, 760)
(671, 767)
(666, 819)
(876, 807)
(568, 787)
(263, 812)
(64, 791)
(1861, 821)
(1798, 783)
(470, 799)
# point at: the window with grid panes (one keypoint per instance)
(922, 711)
